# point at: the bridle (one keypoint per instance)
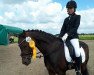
(21, 42)
(37, 53)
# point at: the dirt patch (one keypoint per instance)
(11, 64)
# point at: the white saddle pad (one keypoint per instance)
(68, 57)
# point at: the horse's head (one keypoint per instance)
(26, 50)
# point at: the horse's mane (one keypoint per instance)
(44, 34)
(39, 34)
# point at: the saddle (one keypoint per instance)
(70, 52)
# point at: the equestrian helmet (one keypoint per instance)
(71, 4)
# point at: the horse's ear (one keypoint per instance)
(27, 33)
(28, 30)
(24, 33)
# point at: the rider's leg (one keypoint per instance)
(78, 60)
(75, 43)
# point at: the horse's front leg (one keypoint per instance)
(51, 73)
(49, 68)
(62, 73)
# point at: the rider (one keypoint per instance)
(69, 31)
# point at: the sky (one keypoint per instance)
(46, 15)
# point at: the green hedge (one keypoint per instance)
(86, 37)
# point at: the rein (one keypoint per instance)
(21, 42)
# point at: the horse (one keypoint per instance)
(52, 49)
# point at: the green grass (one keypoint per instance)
(86, 37)
(15, 40)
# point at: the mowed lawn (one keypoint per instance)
(86, 37)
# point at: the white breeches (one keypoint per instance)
(75, 43)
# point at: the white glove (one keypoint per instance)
(28, 39)
(65, 37)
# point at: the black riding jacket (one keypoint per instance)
(70, 26)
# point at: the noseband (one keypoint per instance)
(21, 42)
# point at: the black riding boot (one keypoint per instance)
(78, 61)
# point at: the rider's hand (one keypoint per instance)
(65, 37)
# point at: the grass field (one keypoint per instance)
(86, 37)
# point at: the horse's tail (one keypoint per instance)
(85, 70)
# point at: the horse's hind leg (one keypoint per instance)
(84, 70)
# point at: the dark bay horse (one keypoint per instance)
(52, 49)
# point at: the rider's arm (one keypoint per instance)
(62, 32)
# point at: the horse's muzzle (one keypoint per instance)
(26, 61)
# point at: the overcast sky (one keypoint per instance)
(46, 15)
